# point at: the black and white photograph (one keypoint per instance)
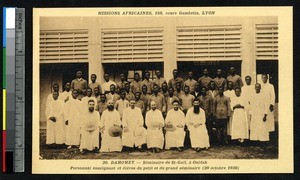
(137, 85)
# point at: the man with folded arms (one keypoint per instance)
(195, 119)
(154, 123)
(90, 129)
(55, 122)
(175, 137)
(110, 119)
(131, 121)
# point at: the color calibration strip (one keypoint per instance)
(13, 90)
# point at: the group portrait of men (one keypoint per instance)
(158, 114)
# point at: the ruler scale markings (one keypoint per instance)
(19, 153)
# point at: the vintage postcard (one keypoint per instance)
(190, 90)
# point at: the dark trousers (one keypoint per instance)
(221, 126)
(209, 126)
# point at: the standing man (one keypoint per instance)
(72, 113)
(55, 88)
(94, 83)
(172, 82)
(160, 101)
(259, 108)
(236, 79)
(197, 91)
(135, 85)
(154, 123)
(239, 106)
(212, 91)
(112, 95)
(102, 104)
(190, 82)
(122, 82)
(87, 98)
(79, 84)
(268, 90)
(230, 94)
(178, 91)
(248, 91)
(131, 121)
(147, 82)
(175, 118)
(222, 113)
(110, 118)
(55, 133)
(205, 79)
(129, 94)
(90, 129)
(67, 94)
(206, 103)
(170, 99)
(159, 80)
(107, 84)
(219, 80)
(195, 119)
(145, 97)
(122, 103)
(186, 99)
(140, 103)
(164, 90)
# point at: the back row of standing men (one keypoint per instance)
(219, 107)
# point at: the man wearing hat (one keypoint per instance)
(110, 128)
(154, 123)
(132, 121)
(175, 122)
(195, 118)
(90, 129)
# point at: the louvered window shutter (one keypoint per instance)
(64, 45)
(132, 45)
(209, 43)
(266, 41)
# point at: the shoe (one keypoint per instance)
(96, 150)
(179, 149)
(83, 152)
(198, 149)
(157, 150)
(141, 150)
(153, 150)
(69, 147)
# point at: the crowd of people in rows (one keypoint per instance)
(156, 114)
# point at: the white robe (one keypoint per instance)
(90, 139)
(56, 132)
(247, 92)
(108, 120)
(64, 95)
(229, 94)
(268, 90)
(259, 130)
(72, 113)
(175, 138)
(121, 105)
(199, 136)
(239, 128)
(132, 118)
(155, 137)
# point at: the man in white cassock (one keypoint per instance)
(55, 88)
(248, 90)
(239, 106)
(268, 90)
(175, 138)
(55, 133)
(90, 129)
(154, 123)
(259, 107)
(195, 119)
(131, 121)
(110, 118)
(72, 114)
(67, 94)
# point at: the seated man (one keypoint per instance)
(175, 118)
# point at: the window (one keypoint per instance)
(266, 41)
(64, 45)
(209, 43)
(131, 45)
